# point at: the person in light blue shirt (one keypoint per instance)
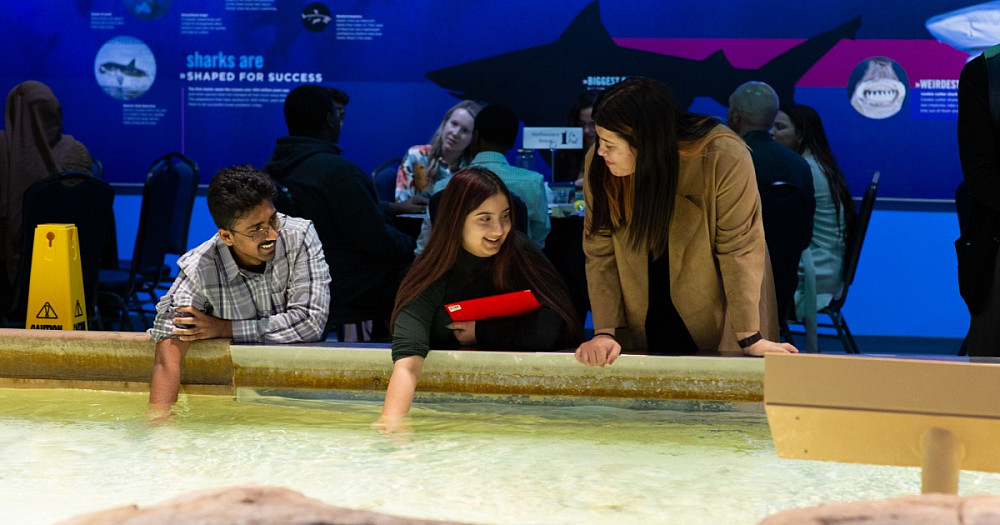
(494, 135)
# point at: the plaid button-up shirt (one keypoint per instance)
(288, 303)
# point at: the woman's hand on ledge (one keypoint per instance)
(769, 347)
(599, 351)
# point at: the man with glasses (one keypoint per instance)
(367, 254)
(261, 279)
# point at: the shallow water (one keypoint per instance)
(66, 452)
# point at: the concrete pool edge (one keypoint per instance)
(123, 361)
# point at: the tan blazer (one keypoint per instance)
(720, 276)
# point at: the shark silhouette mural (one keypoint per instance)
(541, 82)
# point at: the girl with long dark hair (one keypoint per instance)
(473, 252)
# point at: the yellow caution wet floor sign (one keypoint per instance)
(55, 295)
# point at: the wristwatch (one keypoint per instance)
(749, 341)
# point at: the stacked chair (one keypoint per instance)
(164, 220)
(384, 177)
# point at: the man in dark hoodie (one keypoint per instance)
(367, 255)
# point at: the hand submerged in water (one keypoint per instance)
(398, 429)
(159, 414)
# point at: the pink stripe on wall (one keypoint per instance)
(921, 59)
(743, 53)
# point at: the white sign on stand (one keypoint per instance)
(553, 138)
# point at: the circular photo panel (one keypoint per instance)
(316, 17)
(125, 67)
(877, 87)
(148, 9)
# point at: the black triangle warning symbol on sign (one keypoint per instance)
(47, 312)
(78, 311)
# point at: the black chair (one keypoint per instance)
(69, 198)
(164, 220)
(384, 177)
(855, 240)
(189, 176)
(96, 168)
(788, 212)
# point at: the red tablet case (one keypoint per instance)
(503, 305)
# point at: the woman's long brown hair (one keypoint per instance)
(516, 264)
(809, 128)
(646, 115)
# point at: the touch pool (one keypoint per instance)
(497, 437)
(68, 452)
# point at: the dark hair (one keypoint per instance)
(812, 137)
(646, 115)
(517, 263)
(570, 161)
(585, 100)
(307, 106)
(496, 126)
(236, 190)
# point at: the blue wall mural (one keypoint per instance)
(140, 78)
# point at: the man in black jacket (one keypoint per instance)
(367, 255)
(979, 152)
(785, 183)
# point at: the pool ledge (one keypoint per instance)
(123, 361)
(104, 361)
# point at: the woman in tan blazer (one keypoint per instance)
(676, 259)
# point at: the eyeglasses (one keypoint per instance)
(276, 223)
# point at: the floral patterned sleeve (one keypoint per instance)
(412, 178)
